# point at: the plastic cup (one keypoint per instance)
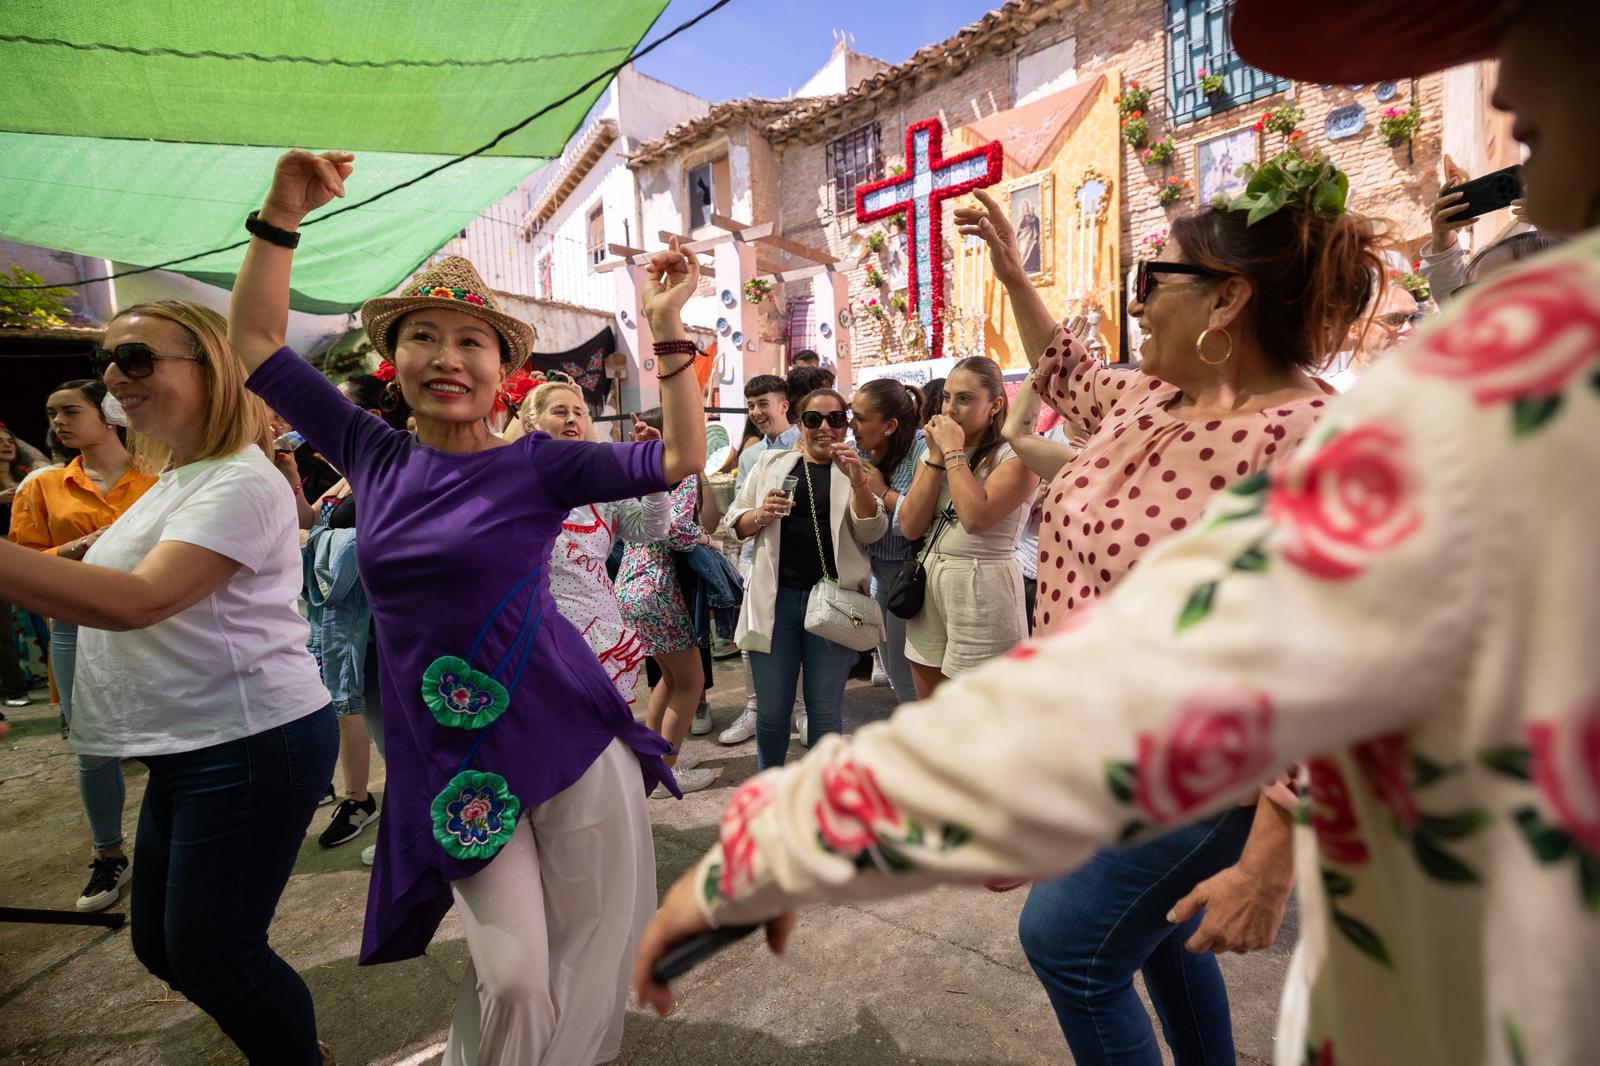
(789, 485)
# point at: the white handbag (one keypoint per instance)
(833, 612)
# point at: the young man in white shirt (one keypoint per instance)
(766, 400)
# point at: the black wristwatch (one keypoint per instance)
(268, 232)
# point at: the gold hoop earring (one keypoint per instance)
(1200, 341)
(391, 396)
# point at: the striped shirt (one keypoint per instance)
(893, 545)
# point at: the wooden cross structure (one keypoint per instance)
(740, 252)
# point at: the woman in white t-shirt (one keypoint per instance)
(192, 659)
(972, 610)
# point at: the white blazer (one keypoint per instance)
(850, 533)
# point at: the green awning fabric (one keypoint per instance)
(145, 131)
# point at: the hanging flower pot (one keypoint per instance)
(757, 289)
(1173, 191)
(1153, 243)
(1399, 125)
(876, 241)
(874, 278)
(1159, 153)
(1134, 98)
(1211, 84)
(1284, 119)
(1136, 129)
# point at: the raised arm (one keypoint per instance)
(1044, 457)
(258, 314)
(670, 281)
(1035, 323)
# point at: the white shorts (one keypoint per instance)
(972, 613)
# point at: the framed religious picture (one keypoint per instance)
(1217, 162)
(896, 258)
(1030, 205)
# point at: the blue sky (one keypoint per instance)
(766, 48)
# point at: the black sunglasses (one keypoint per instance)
(1144, 275)
(135, 359)
(814, 419)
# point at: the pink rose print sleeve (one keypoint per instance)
(1518, 345)
(1080, 387)
(1153, 713)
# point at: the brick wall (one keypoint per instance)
(1114, 37)
(1397, 184)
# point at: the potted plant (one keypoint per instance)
(757, 290)
(1211, 84)
(1153, 243)
(896, 169)
(876, 241)
(1160, 152)
(874, 278)
(1284, 119)
(1136, 129)
(1173, 191)
(1399, 124)
(1134, 98)
(897, 303)
(874, 309)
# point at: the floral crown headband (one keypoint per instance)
(1306, 181)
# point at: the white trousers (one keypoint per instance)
(553, 925)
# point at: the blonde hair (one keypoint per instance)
(544, 395)
(234, 416)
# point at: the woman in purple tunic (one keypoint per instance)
(517, 774)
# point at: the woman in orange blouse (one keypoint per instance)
(62, 512)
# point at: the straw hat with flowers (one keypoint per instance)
(451, 282)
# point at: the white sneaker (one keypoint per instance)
(802, 726)
(369, 854)
(696, 779)
(687, 760)
(688, 781)
(880, 676)
(742, 729)
(703, 722)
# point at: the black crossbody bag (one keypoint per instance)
(909, 586)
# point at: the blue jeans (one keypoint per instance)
(1086, 935)
(99, 776)
(218, 835)
(776, 673)
(892, 650)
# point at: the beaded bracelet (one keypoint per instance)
(683, 347)
(687, 363)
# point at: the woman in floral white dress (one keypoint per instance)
(653, 606)
(1407, 606)
(578, 577)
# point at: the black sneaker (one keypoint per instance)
(106, 878)
(349, 818)
(328, 796)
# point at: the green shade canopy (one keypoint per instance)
(146, 130)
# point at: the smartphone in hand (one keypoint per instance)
(1488, 193)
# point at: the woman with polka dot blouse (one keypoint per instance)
(1236, 319)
